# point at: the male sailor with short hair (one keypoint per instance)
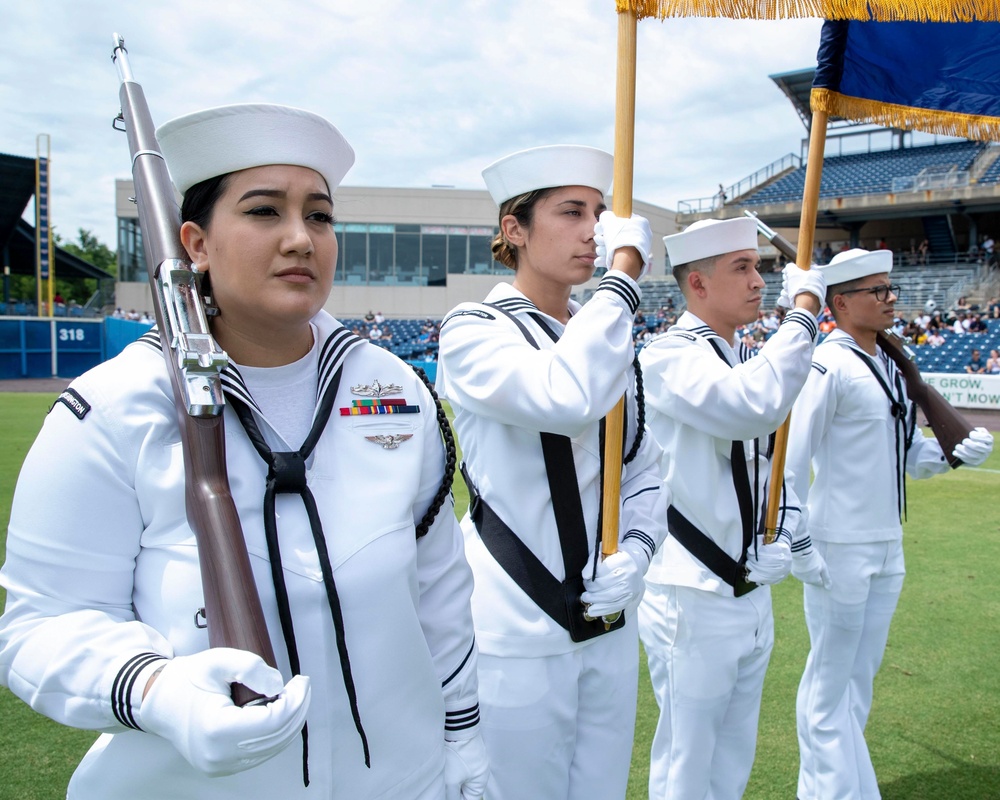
(705, 618)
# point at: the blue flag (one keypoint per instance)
(934, 77)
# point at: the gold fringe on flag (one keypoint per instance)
(947, 123)
(864, 10)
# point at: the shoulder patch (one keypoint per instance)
(684, 335)
(468, 312)
(819, 367)
(74, 402)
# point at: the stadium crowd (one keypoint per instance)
(417, 339)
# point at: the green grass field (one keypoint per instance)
(934, 731)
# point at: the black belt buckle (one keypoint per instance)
(580, 628)
(742, 585)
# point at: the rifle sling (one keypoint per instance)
(702, 547)
(560, 600)
(709, 553)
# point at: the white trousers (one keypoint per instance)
(707, 658)
(848, 629)
(561, 727)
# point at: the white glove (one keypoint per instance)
(612, 233)
(795, 281)
(466, 769)
(975, 448)
(808, 565)
(619, 582)
(772, 562)
(189, 705)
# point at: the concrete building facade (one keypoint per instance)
(407, 252)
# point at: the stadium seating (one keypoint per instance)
(992, 173)
(949, 357)
(941, 283)
(657, 293)
(953, 355)
(405, 337)
(871, 173)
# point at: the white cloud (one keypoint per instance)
(428, 92)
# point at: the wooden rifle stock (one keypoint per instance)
(194, 361)
(947, 424)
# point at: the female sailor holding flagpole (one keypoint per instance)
(530, 373)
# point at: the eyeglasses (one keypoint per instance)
(881, 291)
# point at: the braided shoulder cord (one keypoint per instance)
(640, 422)
(450, 459)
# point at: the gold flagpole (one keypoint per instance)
(807, 234)
(622, 206)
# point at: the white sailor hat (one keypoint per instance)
(546, 167)
(711, 237)
(226, 139)
(857, 263)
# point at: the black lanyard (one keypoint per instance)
(286, 474)
(559, 599)
(897, 408)
(748, 499)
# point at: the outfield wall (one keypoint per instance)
(967, 391)
(44, 347)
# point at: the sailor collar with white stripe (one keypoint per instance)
(736, 352)
(336, 340)
(510, 299)
(841, 337)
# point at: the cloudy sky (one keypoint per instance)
(427, 91)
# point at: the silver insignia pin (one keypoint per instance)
(376, 389)
(390, 441)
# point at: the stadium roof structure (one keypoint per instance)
(17, 237)
(17, 185)
(20, 249)
(796, 86)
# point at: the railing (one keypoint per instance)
(700, 205)
(101, 299)
(990, 281)
(932, 180)
(958, 289)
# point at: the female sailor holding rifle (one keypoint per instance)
(530, 373)
(364, 585)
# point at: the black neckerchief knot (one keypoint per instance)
(287, 475)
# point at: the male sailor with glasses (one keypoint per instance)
(854, 425)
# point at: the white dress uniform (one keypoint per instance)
(708, 649)
(558, 715)
(102, 567)
(844, 418)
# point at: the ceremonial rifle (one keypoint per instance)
(947, 424)
(195, 362)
